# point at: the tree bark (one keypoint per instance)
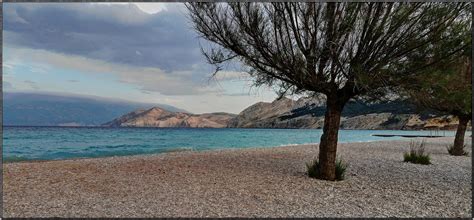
(458, 147)
(328, 143)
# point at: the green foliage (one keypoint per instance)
(417, 159)
(451, 150)
(417, 154)
(313, 169)
(358, 44)
(341, 168)
(445, 82)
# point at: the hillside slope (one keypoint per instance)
(158, 117)
(288, 113)
(309, 113)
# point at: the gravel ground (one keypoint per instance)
(258, 182)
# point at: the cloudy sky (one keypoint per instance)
(144, 52)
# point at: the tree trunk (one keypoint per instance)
(458, 147)
(328, 143)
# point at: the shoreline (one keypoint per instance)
(276, 128)
(469, 128)
(180, 150)
(167, 152)
(251, 182)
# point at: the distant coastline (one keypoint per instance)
(306, 112)
(296, 114)
(125, 127)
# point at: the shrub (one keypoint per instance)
(341, 168)
(417, 154)
(313, 169)
(451, 150)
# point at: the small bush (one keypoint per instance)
(417, 154)
(451, 150)
(313, 169)
(341, 168)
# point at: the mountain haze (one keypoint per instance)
(29, 109)
(66, 110)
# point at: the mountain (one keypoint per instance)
(159, 117)
(66, 110)
(309, 113)
(288, 113)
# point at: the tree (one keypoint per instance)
(448, 90)
(341, 50)
(447, 85)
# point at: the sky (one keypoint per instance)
(142, 52)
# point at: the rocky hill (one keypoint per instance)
(288, 113)
(158, 117)
(309, 113)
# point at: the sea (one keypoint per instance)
(58, 143)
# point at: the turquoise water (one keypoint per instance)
(53, 143)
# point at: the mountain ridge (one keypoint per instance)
(158, 117)
(301, 113)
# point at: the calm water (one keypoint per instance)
(52, 143)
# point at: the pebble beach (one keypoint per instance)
(254, 182)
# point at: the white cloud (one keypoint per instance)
(146, 78)
(231, 75)
(33, 85)
(155, 56)
(7, 85)
(109, 32)
(41, 69)
(149, 7)
(12, 14)
(7, 66)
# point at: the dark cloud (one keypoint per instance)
(114, 33)
(73, 81)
